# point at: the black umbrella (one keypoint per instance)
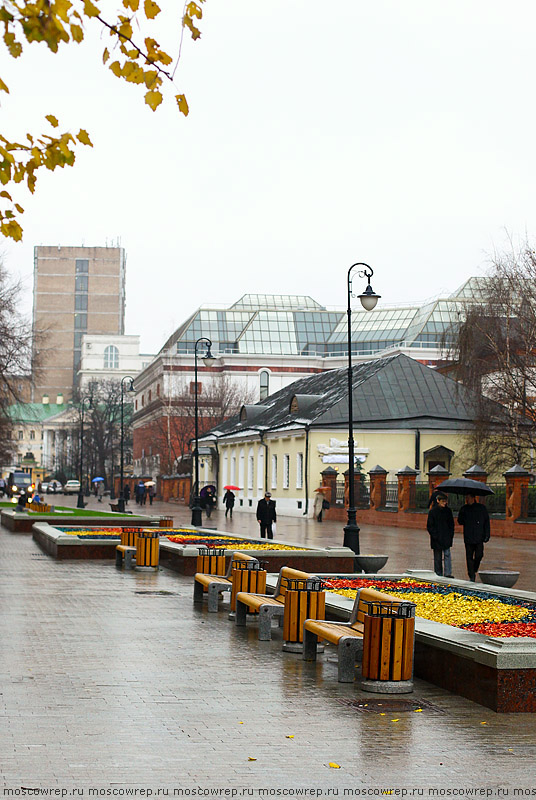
(464, 486)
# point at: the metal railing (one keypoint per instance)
(496, 502)
(361, 494)
(391, 495)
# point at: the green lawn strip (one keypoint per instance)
(74, 512)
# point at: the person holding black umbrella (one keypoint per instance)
(474, 519)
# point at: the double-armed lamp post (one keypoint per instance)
(208, 360)
(368, 298)
(130, 390)
(83, 401)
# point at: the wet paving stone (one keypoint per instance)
(102, 688)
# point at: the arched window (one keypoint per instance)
(264, 384)
(111, 357)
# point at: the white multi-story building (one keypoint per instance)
(110, 357)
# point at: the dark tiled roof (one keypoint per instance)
(395, 392)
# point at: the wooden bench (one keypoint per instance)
(115, 507)
(268, 606)
(38, 508)
(126, 553)
(348, 636)
(214, 585)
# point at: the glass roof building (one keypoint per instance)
(296, 325)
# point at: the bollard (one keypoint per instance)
(211, 561)
(304, 599)
(388, 643)
(147, 549)
(165, 522)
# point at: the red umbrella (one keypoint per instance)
(232, 487)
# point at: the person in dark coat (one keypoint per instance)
(440, 525)
(229, 500)
(126, 492)
(474, 519)
(433, 497)
(266, 515)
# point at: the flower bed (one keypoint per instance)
(111, 533)
(179, 536)
(212, 540)
(471, 609)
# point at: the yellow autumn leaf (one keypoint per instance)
(333, 765)
(6, 195)
(83, 137)
(182, 104)
(115, 67)
(90, 9)
(290, 736)
(19, 208)
(105, 55)
(52, 119)
(153, 99)
(417, 710)
(132, 4)
(396, 720)
(3, 87)
(151, 9)
(250, 758)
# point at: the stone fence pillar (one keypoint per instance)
(517, 493)
(378, 486)
(436, 476)
(406, 488)
(329, 479)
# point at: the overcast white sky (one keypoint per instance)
(396, 132)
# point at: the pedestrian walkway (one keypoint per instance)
(113, 681)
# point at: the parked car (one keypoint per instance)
(44, 487)
(54, 487)
(71, 487)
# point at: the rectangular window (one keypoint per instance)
(80, 302)
(21, 434)
(299, 471)
(286, 471)
(274, 472)
(82, 266)
(81, 283)
(32, 434)
(192, 387)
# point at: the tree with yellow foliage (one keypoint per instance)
(137, 59)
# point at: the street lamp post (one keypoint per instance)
(84, 400)
(208, 359)
(121, 500)
(368, 300)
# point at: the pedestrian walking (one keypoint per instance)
(100, 491)
(229, 500)
(474, 519)
(209, 501)
(320, 504)
(433, 497)
(266, 515)
(440, 525)
(142, 493)
(126, 492)
(152, 493)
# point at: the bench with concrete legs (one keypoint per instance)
(214, 585)
(125, 554)
(268, 606)
(348, 636)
